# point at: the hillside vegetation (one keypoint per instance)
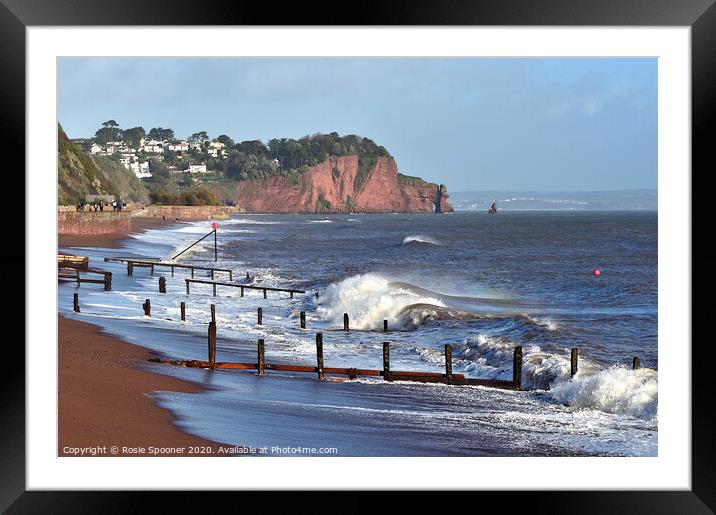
(291, 157)
(79, 174)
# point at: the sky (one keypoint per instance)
(548, 124)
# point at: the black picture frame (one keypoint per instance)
(699, 15)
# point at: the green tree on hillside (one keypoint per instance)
(133, 136)
(111, 125)
(109, 131)
(226, 140)
(159, 133)
(200, 136)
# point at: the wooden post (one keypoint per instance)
(172, 270)
(242, 291)
(147, 308)
(215, 251)
(303, 319)
(187, 286)
(448, 361)
(345, 322)
(636, 363)
(192, 272)
(182, 309)
(247, 276)
(517, 367)
(76, 303)
(230, 276)
(386, 361)
(260, 313)
(290, 293)
(214, 289)
(108, 281)
(385, 326)
(213, 313)
(319, 354)
(212, 344)
(212, 274)
(130, 268)
(262, 360)
(152, 269)
(264, 293)
(77, 274)
(574, 358)
(162, 284)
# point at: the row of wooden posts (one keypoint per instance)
(321, 370)
(151, 264)
(259, 314)
(75, 275)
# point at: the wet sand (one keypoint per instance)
(139, 225)
(103, 400)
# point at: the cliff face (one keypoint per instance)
(341, 185)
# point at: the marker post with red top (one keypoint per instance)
(215, 226)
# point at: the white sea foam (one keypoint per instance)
(420, 238)
(248, 221)
(320, 221)
(372, 298)
(614, 390)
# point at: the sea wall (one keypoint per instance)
(188, 212)
(93, 222)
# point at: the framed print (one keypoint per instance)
(423, 251)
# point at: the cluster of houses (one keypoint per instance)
(130, 157)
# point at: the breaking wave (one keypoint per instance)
(617, 389)
(419, 238)
(371, 298)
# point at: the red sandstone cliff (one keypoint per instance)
(331, 187)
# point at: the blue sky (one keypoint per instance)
(473, 124)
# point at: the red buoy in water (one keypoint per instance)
(215, 226)
(596, 272)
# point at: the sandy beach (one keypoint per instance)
(103, 397)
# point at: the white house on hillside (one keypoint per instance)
(179, 146)
(95, 149)
(154, 146)
(197, 168)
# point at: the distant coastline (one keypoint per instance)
(508, 200)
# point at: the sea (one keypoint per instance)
(478, 282)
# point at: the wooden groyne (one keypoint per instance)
(151, 264)
(76, 269)
(72, 261)
(265, 289)
(352, 373)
